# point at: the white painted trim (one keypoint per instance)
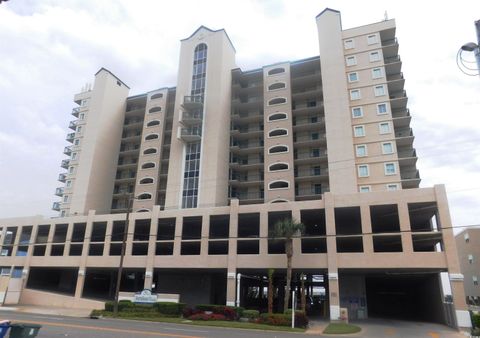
(231, 275)
(271, 182)
(272, 130)
(277, 112)
(463, 318)
(271, 84)
(154, 112)
(230, 303)
(274, 171)
(276, 200)
(145, 138)
(457, 277)
(281, 152)
(159, 123)
(140, 181)
(142, 168)
(268, 71)
(276, 104)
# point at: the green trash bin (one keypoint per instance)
(24, 330)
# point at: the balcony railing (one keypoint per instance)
(404, 132)
(70, 137)
(65, 164)
(392, 59)
(307, 155)
(56, 206)
(72, 125)
(67, 151)
(389, 42)
(311, 172)
(410, 175)
(308, 192)
(247, 178)
(248, 195)
(62, 177)
(398, 95)
(76, 111)
(59, 191)
(242, 161)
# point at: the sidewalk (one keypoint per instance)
(56, 311)
(316, 327)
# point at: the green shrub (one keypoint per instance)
(251, 314)
(206, 307)
(475, 319)
(230, 312)
(137, 308)
(169, 308)
(109, 306)
(278, 319)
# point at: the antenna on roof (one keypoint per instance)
(385, 16)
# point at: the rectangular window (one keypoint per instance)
(74, 156)
(466, 237)
(374, 56)
(372, 39)
(65, 199)
(349, 44)
(352, 77)
(68, 184)
(377, 73)
(351, 60)
(384, 128)
(355, 94)
(387, 148)
(357, 112)
(470, 259)
(364, 188)
(361, 150)
(363, 170)
(71, 170)
(79, 129)
(76, 142)
(390, 169)
(382, 108)
(392, 187)
(81, 116)
(359, 131)
(379, 90)
(475, 280)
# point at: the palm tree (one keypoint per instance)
(270, 290)
(287, 229)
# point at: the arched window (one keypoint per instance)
(148, 165)
(143, 210)
(150, 151)
(277, 132)
(278, 149)
(275, 71)
(145, 196)
(155, 110)
(278, 166)
(146, 180)
(156, 96)
(151, 137)
(277, 100)
(277, 85)
(279, 201)
(153, 123)
(277, 116)
(278, 185)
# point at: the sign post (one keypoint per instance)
(293, 309)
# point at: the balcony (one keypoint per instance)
(390, 47)
(246, 132)
(247, 147)
(67, 151)
(70, 137)
(305, 124)
(398, 100)
(306, 92)
(246, 180)
(393, 64)
(59, 192)
(56, 206)
(72, 125)
(308, 141)
(308, 194)
(248, 116)
(247, 88)
(246, 164)
(191, 134)
(76, 111)
(400, 112)
(248, 197)
(308, 108)
(404, 137)
(247, 102)
(62, 177)
(193, 102)
(407, 157)
(410, 179)
(305, 78)
(313, 175)
(310, 157)
(191, 118)
(65, 164)
(395, 82)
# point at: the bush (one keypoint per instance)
(136, 308)
(251, 314)
(122, 304)
(278, 319)
(169, 308)
(475, 319)
(204, 316)
(230, 312)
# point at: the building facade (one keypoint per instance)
(214, 162)
(468, 246)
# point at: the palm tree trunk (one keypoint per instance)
(270, 291)
(289, 252)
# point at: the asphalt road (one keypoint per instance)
(56, 326)
(72, 327)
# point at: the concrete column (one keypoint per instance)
(297, 242)
(178, 236)
(205, 234)
(83, 260)
(68, 239)
(26, 265)
(151, 248)
(50, 240)
(366, 229)
(232, 253)
(405, 228)
(450, 249)
(108, 238)
(16, 240)
(130, 231)
(333, 288)
(263, 233)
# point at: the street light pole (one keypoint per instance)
(470, 47)
(122, 256)
(477, 50)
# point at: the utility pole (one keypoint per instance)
(122, 256)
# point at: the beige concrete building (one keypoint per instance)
(217, 160)
(468, 246)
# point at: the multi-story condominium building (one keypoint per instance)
(468, 246)
(214, 162)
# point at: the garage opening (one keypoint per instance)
(405, 296)
(315, 227)
(100, 282)
(277, 245)
(58, 280)
(348, 222)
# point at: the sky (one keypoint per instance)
(50, 49)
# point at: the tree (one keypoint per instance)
(270, 290)
(303, 298)
(287, 229)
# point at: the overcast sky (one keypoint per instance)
(49, 49)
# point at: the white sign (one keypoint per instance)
(145, 297)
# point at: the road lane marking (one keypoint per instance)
(434, 335)
(111, 329)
